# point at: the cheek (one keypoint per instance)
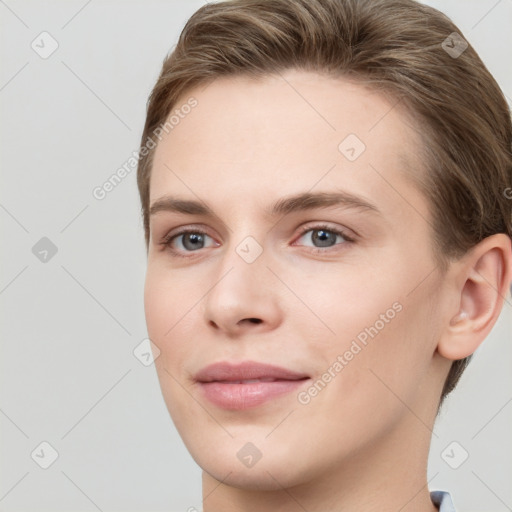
(158, 300)
(346, 306)
(167, 298)
(166, 307)
(168, 311)
(375, 331)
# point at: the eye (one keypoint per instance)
(186, 241)
(319, 237)
(322, 237)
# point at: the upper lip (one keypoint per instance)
(247, 370)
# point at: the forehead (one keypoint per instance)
(287, 133)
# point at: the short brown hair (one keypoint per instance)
(395, 46)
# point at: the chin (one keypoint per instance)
(279, 466)
(259, 478)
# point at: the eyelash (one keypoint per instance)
(166, 242)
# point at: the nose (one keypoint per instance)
(244, 297)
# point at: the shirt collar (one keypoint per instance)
(443, 501)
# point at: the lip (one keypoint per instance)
(222, 383)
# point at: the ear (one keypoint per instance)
(481, 285)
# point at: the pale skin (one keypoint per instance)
(362, 442)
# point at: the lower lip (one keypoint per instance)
(245, 396)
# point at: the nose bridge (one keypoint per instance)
(242, 271)
(242, 289)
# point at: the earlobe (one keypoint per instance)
(483, 279)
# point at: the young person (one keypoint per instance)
(324, 196)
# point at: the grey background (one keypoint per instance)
(69, 325)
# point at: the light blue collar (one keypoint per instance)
(443, 501)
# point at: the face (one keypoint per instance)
(285, 234)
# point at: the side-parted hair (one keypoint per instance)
(398, 47)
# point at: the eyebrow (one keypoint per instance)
(284, 206)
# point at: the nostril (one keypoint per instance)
(255, 320)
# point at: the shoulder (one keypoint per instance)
(443, 501)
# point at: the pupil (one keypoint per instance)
(325, 238)
(194, 239)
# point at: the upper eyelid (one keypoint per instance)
(318, 224)
(343, 232)
(326, 226)
(182, 229)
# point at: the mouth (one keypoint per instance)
(246, 385)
